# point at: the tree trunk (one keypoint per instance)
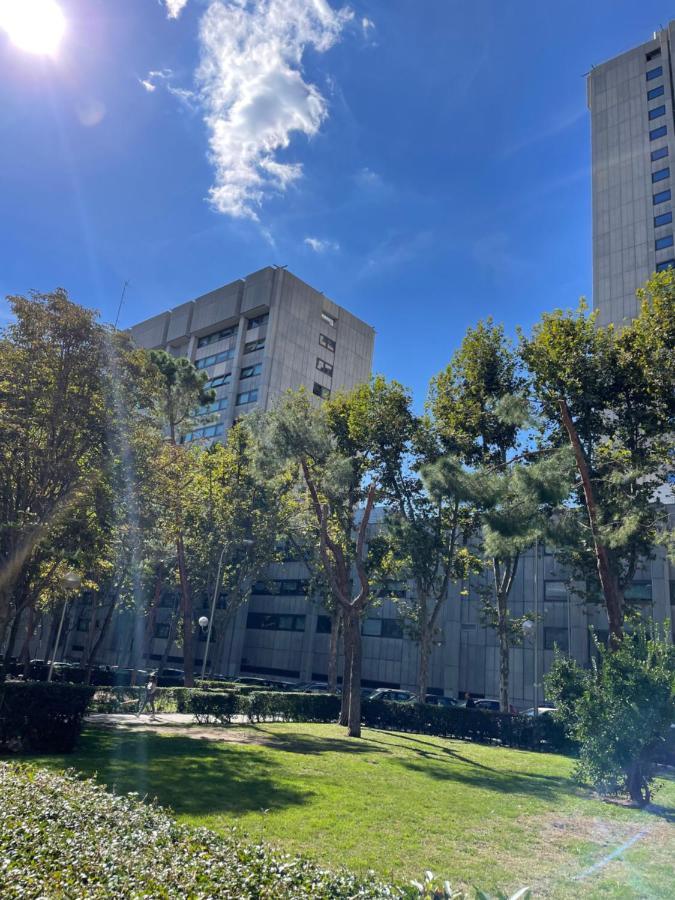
(425, 647)
(504, 654)
(152, 618)
(24, 656)
(169, 642)
(347, 669)
(636, 785)
(95, 647)
(335, 624)
(354, 718)
(186, 609)
(608, 580)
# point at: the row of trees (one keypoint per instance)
(562, 436)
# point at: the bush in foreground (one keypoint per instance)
(41, 717)
(63, 837)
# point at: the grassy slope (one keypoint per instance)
(398, 804)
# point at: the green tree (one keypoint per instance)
(621, 711)
(317, 446)
(481, 413)
(182, 391)
(610, 396)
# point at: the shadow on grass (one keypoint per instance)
(311, 745)
(193, 777)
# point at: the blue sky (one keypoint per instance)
(425, 163)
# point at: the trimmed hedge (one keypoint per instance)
(290, 707)
(61, 837)
(41, 717)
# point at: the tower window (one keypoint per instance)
(657, 112)
(654, 73)
(655, 92)
(661, 175)
(659, 154)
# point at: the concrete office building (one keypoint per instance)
(259, 337)
(631, 99)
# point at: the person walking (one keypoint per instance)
(148, 698)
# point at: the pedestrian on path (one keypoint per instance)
(148, 698)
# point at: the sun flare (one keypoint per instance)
(36, 26)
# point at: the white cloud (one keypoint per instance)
(254, 93)
(175, 7)
(367, 24)
(148, 85)
(321, 246)
(165, 77)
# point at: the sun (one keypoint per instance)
(36, 26)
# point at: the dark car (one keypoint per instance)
(437, 700)
(492, 706)
(392, 695)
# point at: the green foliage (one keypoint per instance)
(292, 707)
(41, 717)
(62, 837)
(621, 712)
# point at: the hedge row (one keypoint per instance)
(41, 717)
(61, 837)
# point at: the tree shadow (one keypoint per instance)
(192, 777)
(309, 745)
(439, 752)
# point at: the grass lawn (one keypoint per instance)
(398, 804)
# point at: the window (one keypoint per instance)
(659, 154)
(257, 321)
(216, 406)
(324, 366)
(672, 593)
(639, 592)
(217, 382)
(653, 54)
(247, 397)
(208, 431)
(660, 175)
(555, 591)
(207, 339)
(288, 587)
(655, 92)
(556, 637)
(320, 391)
(390, 628)
(657, 112)
(275, 622)
(250, 371)
(327, 343)
(666, 264)
(663, 219)
(252, 346)
(323, 625)
(657, 133)
(661, 197)
(654, 73)
(328, 318)
(162, 630)
(663, 242)
(206, 361)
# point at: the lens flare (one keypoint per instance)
(36, 26)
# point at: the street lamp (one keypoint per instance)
(529, 627)
(70, 583)
(203, 621)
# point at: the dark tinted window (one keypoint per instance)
(660, 175)
(327, 342)
(659, 154)
(323, 625)
(556, 637)
(662, 243)
(666, 264)
(663, 219)
(657, 112)
(654, 73)
(661, 197)
(658, 133)
(252, 346)
(257, 321)
(321, 391)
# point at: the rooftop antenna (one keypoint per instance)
(119, 308)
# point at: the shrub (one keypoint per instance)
(621, 712)
(61, 837)
(212, 706)
(292, 707)
(46, 718)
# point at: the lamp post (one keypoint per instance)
(70, 582)
(203, 621)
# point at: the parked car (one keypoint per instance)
(541, 711)
(394, 696)
(171, 678)
(437, 700)
(492, 705)
(312, 687)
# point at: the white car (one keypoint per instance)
(541, 711)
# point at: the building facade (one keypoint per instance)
(631, 102)
(259, 337)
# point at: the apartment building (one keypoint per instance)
(630, 98)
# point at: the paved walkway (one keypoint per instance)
(182, 724)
